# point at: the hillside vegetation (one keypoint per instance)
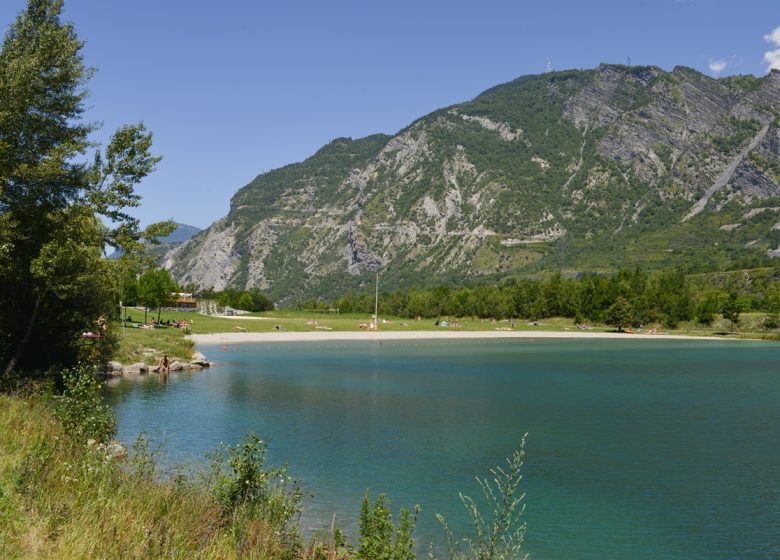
(586, 170)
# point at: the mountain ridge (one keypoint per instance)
(182, 233)
(579, 169)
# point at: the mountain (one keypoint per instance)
(182, 233)
(579, 170)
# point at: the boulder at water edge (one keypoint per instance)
(138, 368)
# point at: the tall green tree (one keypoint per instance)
(672, 297)
(731, 310)
(619, 314)
(53, 205)
(156, 289)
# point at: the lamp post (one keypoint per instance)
(376, 302)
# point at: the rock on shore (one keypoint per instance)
(116, 369)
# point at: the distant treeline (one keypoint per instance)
(247, 300)
(669, 297)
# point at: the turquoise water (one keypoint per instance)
(636, 449)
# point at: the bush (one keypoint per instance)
(380, 539)
(772, 320)
(244, 482)
(80, 408)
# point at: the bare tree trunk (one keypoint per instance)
(27, 333)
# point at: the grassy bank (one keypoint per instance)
(148, 345)
(65, 498)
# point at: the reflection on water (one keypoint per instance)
(637, 449)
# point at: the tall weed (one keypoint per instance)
(500, 534)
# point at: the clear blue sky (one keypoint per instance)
(237, 87)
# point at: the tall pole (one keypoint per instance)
(376, 302)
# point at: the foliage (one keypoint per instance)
(708, 306)
(742, 130)
(499, 534)
(63, 498)
(244, 485)
(670, 297)
(772, 305)
(380, 538)
(744, 82)
(770, 166)
(619, 313)
(80, 408)
(772, 321)
(246, 300)
(156, 288)
(53, 205)
(731, 309)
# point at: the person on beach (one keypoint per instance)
(165, 364)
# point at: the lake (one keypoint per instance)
(636, 449)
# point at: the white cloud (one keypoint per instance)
(772, 58)
(773, 37)
(717, 66)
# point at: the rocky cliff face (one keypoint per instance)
(617, 166)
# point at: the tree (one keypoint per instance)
(708, 306)
(672, 296)
(156, 288)
(260, 301)
(619, 313)
(53, 284)
(245, 302)
(731, 309)
(772, 305)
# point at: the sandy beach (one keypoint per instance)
(281, 336)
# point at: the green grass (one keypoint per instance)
(147, 345)
(62, 498)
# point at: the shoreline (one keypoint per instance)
(307, 336)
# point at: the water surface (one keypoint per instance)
(636, 449)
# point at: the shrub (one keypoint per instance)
(380, 539)
(80, 408)
(772, 320)
(243, 481)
